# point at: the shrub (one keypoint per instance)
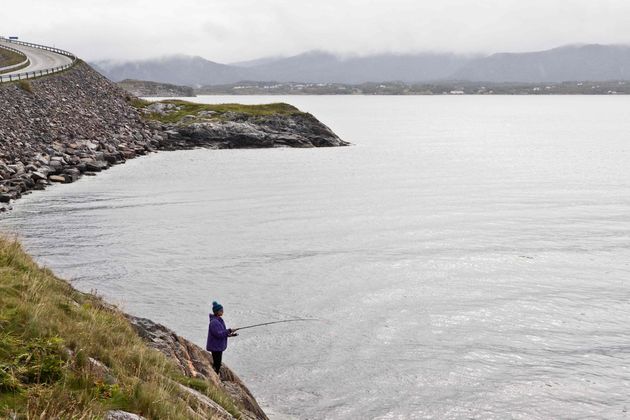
(26, 86)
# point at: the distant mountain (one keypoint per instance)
(321, 67)
(571, 63)
(256, 62)
(312, 67)
(178, 70)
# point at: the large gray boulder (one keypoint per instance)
(122, 415)
(242, 131)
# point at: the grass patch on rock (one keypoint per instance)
(66, 354)
(177, 111)
(10, 58)
(138, 103)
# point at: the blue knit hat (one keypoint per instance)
(216, 307)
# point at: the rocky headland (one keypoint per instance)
(146, 88)
(235, 126)
(57, 128)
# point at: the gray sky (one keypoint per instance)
(232, 30)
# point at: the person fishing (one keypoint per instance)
(218, 335)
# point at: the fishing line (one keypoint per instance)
(275, 322)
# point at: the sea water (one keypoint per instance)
(467, 257)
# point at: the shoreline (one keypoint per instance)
(82, 336)
(61, 127)
(154, 331)
(436, 88)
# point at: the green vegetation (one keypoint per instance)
(10, 58)
(26, 64)
(137, 102)
(192, 112)
(53, 337)
(25, 85)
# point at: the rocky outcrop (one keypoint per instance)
(242, 131)
(146, 89)
(194, 362)
(57, 128)
(122, 415)
(202, 404)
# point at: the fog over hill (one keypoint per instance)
(321, 67)
(176, 69)
(569, 63)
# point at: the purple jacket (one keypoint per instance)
(217, 334)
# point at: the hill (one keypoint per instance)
(570, 63)
(178, 70)
(144, 88)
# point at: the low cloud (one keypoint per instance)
(234, 30)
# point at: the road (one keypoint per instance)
(40, 59)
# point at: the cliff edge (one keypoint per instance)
(194, 362)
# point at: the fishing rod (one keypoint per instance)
(275, 322)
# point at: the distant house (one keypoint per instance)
(457, 92)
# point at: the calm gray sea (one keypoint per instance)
(469, 257)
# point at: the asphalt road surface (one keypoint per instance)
(40, 59)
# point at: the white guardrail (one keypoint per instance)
(36, 73)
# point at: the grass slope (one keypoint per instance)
(9, 58)
(49, 336)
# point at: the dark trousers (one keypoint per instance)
(216, 360)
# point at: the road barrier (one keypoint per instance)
(37, 73)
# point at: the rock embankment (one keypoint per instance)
(57, 128)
